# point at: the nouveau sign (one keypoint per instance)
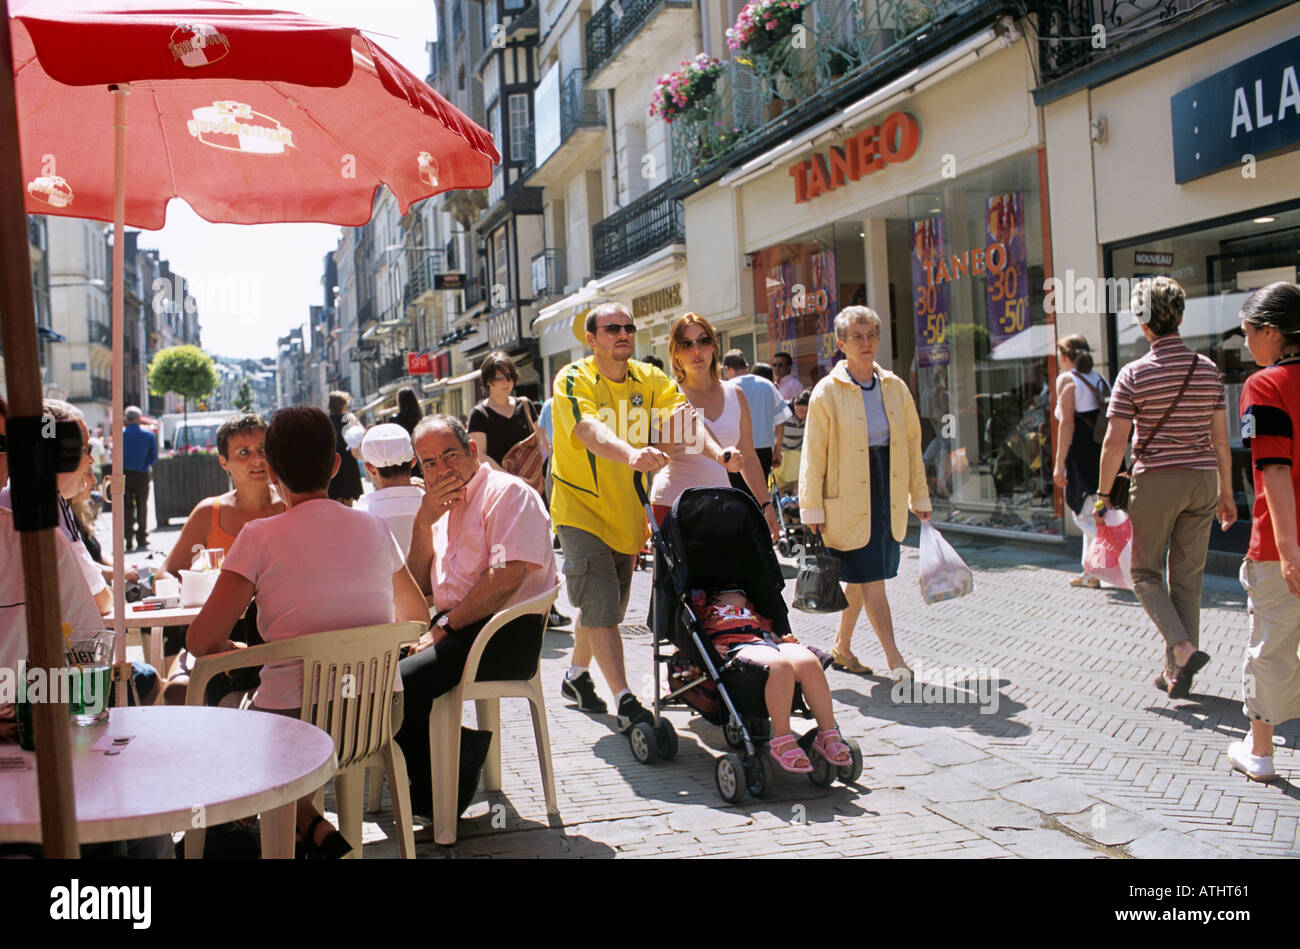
(1247, 109)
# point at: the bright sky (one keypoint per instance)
(260, 280)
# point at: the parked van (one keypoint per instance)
(199, 431)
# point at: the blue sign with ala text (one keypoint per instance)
(1248, 109)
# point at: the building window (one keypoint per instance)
(519, 128)
(494, 126)
(514, 6)
(500, 264)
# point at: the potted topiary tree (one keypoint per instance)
(186, 475)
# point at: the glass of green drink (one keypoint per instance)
(90, 662)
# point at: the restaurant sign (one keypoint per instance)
(894, 140)
(666, 299)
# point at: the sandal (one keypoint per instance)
(1180, 684)
(1083, 580)
(849, 663)
(334, 846)
(792, 759)
(829, 746)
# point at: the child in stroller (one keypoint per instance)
(737, 633)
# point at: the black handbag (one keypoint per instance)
(818, 588)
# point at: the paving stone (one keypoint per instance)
(1109, 825)
(992, 773)
(1166, 844)
(1051, 795)
(1049, 844)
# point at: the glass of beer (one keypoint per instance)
(90, 661)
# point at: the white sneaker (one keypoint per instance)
(1255, 767)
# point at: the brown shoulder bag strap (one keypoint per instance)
(1146, 442)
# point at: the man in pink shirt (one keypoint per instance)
(480, 544)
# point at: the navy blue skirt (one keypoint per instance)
(878, 560)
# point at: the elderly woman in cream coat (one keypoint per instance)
(861, 467)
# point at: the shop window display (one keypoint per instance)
(967, 332)
(1218, 265)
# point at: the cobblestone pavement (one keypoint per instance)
(1074, 753)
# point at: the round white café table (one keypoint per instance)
(185, 767)
(151, 623)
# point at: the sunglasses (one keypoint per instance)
(687, 344)
(613, 329)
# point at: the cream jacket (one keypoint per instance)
(833, 473)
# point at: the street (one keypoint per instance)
(1045, 738)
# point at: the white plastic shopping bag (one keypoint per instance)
(1111, 554)
(944, 575)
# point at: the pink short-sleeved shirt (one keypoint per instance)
(316, 567)
(502, 519)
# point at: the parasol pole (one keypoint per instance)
(30, 478)
(118, 479)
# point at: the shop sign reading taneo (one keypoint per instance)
(894, 140)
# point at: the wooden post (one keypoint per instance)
(40, 563)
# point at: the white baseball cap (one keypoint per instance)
(387, 445)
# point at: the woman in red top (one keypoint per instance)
(1270, 417)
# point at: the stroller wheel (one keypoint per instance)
(760, 770)
(666, 738)
(733, 735)
(783, 547)
(644, 744)
(849, 773)
(823, 773)
(730, 778)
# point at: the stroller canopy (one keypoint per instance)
(716, 537)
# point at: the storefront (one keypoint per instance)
(932, 213)
(1212, 203)
(654, 292)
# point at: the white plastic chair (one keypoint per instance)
(445, 719)
(355, 712)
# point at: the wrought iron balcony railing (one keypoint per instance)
(1075, 33)
(841, 42)
(426, 266)
(616, 23)
(548, 272)
(579, 106)
(101, 389)
(651, 222)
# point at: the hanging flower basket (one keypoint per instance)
(764, 23)
(683, 91)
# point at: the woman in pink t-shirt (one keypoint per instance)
(318, 566)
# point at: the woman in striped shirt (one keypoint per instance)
(1173, 401)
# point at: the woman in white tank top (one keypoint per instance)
(1078, 453)
(693, 354)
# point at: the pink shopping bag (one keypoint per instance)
(1110, 556)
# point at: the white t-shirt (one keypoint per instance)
(397, 506)
(89, 569)
(76, 608)
(318, 566)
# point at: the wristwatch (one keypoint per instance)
(765, 505)
(443, 622)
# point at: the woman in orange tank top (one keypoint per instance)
(215, 522)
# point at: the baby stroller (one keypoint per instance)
(717, 537)
(791, 538)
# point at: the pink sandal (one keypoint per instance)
(829, 746)
(792, 758)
